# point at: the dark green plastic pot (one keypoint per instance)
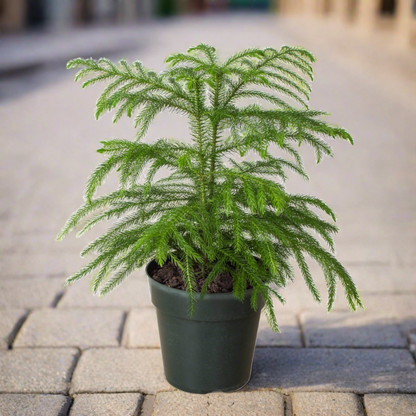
(213, 349)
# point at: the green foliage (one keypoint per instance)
(212, 211)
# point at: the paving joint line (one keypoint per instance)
(302, 330)
(361, 400)
(17, 328)
(147, 405)
(122, 327)
(287, 405)
(57, 298)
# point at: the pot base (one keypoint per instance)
(230, 389)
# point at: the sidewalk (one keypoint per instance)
(66, 352)
(31, 60)
(19, 51)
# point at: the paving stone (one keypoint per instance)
(387, 278)
(337, 370)
(290, 335)
(80, 328)
(115, 370)
(29, 292)
(132, 293)
(390, 405)
(10, 321)
(40, 243)
(326, 404)
(347, 329)
(180, 403)
(401, 307)
(299, 299)
(123, 404)
(256, 403)
(34, 405)
(397, 305)
(41, 370)
(41, 264)
(141, 329)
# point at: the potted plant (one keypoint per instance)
(218, 231)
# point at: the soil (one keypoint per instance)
(170, 275)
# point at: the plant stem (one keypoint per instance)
(199, 136)
(214, 139)
(201, 159)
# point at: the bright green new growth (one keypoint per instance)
(212, 211)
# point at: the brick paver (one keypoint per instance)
(29, 292)
(257, 403)
(326, 404)
(337, 370)
(289, 336)
(37, 370)
(134, 292)
(384, 278)
(41, 264)
(34, 405)
(219, 404)
(123, 404)
(10, 321)
(344, 329)
(141, 329)
(82, 328)
(390, 405)
(114, 370)
(180, 403)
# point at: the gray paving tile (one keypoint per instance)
(401, 306)
(41, 370)
(115, 370)
(141, 329)
(290, 335)
(134, 292)
(122, 404)
(29, 292)
(390, 405)
(334, 370)
(326, 404)
(384, 279)
(257, 403)
(10, 321)
(180, 403)
(34, 405)
(41, 264)
(347, 329)
(80, 328)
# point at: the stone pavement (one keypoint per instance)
(65, 352)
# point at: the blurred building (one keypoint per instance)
(20, 14)
(396, 16)
(16, 15)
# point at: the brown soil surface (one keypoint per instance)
(170, 275)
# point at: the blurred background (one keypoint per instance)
(23, 15)
(365, 76)
(38, 36)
